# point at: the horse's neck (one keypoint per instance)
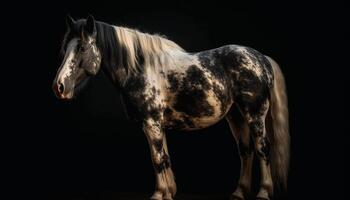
(117, 76)
(163, 62)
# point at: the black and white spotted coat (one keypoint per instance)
(198, 89)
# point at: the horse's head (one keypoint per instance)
(82, 57)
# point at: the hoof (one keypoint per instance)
(263, 195)
(168, 197)
(236, 197)
(157, 196)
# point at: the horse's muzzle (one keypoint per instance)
(59, 90)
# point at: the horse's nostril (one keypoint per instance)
(60, 88)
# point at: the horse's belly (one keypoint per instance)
(191, 111)
(184, 122)
(195, 98)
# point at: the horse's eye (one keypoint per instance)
(81, 48)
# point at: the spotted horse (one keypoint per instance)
(164, 87)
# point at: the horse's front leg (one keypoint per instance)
(165, 183)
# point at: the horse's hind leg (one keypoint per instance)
(165, 182)
(240, 131)
(255, 117)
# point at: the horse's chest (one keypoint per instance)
(195, 99)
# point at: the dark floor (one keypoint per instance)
(118, 196)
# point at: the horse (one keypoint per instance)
(163, 87)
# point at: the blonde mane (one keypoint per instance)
(143, 49)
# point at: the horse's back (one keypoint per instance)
(236, 60)
(246, 72)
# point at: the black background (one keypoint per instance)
(87, 149)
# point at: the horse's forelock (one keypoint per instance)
(72, 33)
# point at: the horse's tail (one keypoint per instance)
(279, 135)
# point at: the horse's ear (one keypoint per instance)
(70, 21)
(90, 25)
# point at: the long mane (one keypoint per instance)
(132, 50)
